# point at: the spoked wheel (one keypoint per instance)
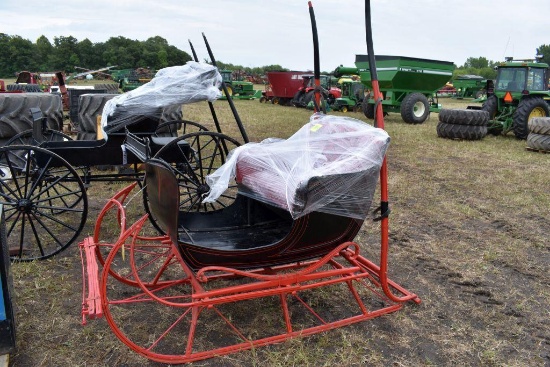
(26, 137)
(178, 127)
(157, 295)
(193, 157)
(44, 201)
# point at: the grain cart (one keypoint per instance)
(470, 86)
(408, 84)
(238, 89)
(519, 93)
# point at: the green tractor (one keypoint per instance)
(519, 93)
(238, 89)
(353, 93)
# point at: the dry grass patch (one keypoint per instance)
(468, 233)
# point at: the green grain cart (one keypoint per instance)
(408, 84)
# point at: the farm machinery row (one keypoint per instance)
(296, 88)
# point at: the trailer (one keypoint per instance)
(409, 85)
(283, 85)
(470, 86)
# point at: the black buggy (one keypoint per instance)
(44, 174)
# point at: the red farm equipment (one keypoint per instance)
(282, 87)
(304, 95)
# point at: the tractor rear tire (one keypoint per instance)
(528, 108)
(298, 99)
(415, 108)
(539, 125)
(490, 105)
(464, 117)
(368, 108)
(461, 132)
(89, 107)
(539, 142)
(15, 116)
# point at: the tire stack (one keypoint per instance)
(111, 88)
(15, 116)
(539, 134)
(462, 124)
(91, 105)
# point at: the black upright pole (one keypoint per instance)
(316, 62)
(229, 99)
(210, 104)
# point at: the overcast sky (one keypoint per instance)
(257, 33)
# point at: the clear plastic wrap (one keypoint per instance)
(176, 85)
(330, 165)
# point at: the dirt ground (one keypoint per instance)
(468, 234)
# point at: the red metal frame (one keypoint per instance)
(136, 272)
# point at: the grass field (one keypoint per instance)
(468, 234)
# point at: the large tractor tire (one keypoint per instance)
(298, 99)
(490, 105)
(539, 125)
(464, 117)
(28, 88)
(368, 108)
(528, 108)
(89, 107)
(111, 88)
(15, 116)
(538, 142)
(461, 132)
(415, 108)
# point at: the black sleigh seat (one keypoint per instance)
(263, 226)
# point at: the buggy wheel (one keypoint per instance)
(344, 109)
(44, 201)
(171, 128)
(26, 137)
(193, 157)
(160, 295)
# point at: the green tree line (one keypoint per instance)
(66, 53)
(486, 68)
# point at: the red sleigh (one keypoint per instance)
(194, 292)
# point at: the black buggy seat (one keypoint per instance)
(163, 194)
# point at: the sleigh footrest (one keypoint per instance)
(91, 302)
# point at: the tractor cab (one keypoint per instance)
(521, 78)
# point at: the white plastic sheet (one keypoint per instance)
(330, 165)
(174, 85)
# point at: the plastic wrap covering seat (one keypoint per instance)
(330, 165)
(176, 85)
